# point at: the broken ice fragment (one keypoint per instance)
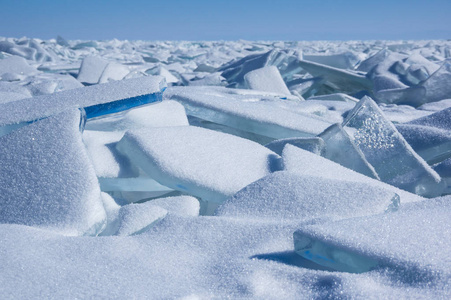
(340, 148)
(388, 152)
(98, 100)
(266, 79)
(47, 180)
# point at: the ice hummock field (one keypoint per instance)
(198, 170)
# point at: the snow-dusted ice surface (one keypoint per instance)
(260, 172)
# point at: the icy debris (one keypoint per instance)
(388, 152)
(204, 163)
(284, 196)
(161, 71)
(266, 79)
(97, 100)
(235, 71)
(30, 49)
(161, 114)
(412, 242)
(113, 71)
(259, 113)
(47, 180)
(315, 144)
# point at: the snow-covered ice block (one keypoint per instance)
(266, 79)
(436, 106)
(440, 119)
(15, 65)
(315, 144)
(137, 218)
(251, 111)
(388, 152)
(305, 163)
(113, 71)
(161, 71)
(161, 114)
(180, 205)
(91, 69)
(432, 144)
(47, 180)
(286, 196)
(340, 148)
(413, 242)
(201, 162)
(97, 100)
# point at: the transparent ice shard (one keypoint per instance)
(388, 152)
(97, 100)
(341, 149)
(330, 256)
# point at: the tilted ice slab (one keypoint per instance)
(266, 79)
(260, 113)
(97, 100)
(305, 163)
(431, 143)
(412, 242)
(440, 119)
(47, 180)
(15, 65)
(388, 152)
(343, 80)
(286, 196)
(201, 162)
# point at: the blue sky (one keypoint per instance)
(226, 20)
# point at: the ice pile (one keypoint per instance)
(224, 169)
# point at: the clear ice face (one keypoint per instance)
(341, 149)
(387, 151)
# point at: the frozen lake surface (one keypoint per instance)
(199, 170)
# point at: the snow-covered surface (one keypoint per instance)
(182, 200)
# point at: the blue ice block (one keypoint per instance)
(97, 100)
